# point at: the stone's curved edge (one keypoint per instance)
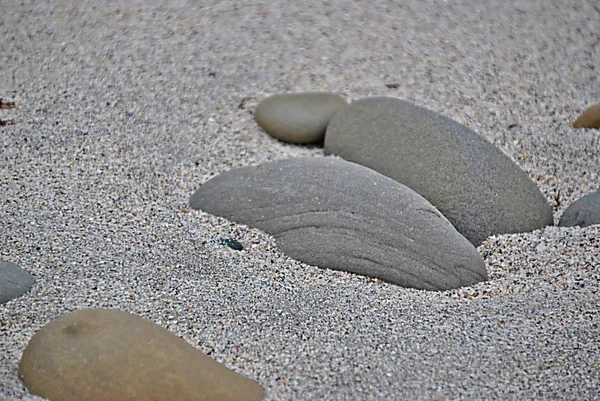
(94, 354)
(374, 259)
(590, 118)
(445, 160)
(336, 214)
(584, 212)
(14, 281)
(299, 118)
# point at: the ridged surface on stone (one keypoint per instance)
(478, 188)
(339, 215)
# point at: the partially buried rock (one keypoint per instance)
(112, 355)
(583, 212)
(590, 118)
(478, 188)
(298, 117)
(335, 214)
(14, 281)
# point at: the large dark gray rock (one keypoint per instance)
(339, 215)
(14, 281)
(478, 188)
(298, 117)
(583, 212)
(111, 355)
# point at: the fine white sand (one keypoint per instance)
(125, 108)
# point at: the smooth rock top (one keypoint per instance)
(14, 281)
(339, 215)
(590, 118)
(478, 188)
(583, 212)
(111, 355)
(298, 117)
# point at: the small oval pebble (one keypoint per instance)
(231, 243)
(583, 212)
(14, 281)
(298, 117)
(113, 355)
(590, 118)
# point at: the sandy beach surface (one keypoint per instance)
(125, 108)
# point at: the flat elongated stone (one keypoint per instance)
(583, 212)
(478, 188)
(14, 281)
(298, 117)
(339, 215)
(111, 355)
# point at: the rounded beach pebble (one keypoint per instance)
(113, 355)
(583, 212)
(339, 215)
(14, 281)
(298, 117)
(476, 186)
(590, 118)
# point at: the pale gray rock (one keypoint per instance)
(298, 117)
(14, 281)
(583, 212)
(478, 188)
(339, 215)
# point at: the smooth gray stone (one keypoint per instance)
(583, 212)
(339, 215)
(476, 186)
(298, 117)
(14, 281)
